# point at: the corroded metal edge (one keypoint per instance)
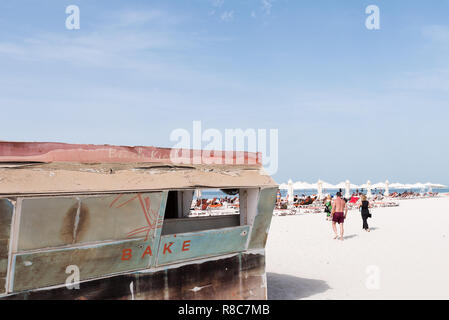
(238, 277)
(89, 153)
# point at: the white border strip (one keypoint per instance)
(13, 239)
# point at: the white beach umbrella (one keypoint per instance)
(347, 189)
(435, 185)
(327, 185)
(298, 185)
(283, 186)
(313, 186)
(419, 185)
(354, 186)
(387, 189)
(290, 191)
(320, 189)
(368, 190)
(340, 185)
(401, 186)
(380, 185)
(301, 185)
(397, 185)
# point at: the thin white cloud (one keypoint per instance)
(133, 17)
(11, 49)
(227, 16)
(150, 54)
(435, 80)
(112, 45)
(267, 6)
(100, 48)
(218, 3)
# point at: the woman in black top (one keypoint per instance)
(364, 207)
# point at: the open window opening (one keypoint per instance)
(215, 202)
(202, 209)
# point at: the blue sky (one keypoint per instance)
(349, 103)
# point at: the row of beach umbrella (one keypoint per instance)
(342, 185)
(348, 186)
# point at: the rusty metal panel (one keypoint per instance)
(262, 221)
(238, 277)
(48, 268)
(61, 221)
(184, 225)
(88, 153)
(135, 217)
(6, 212)
(157, 231)
(187, 246)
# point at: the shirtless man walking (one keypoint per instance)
(339, 212)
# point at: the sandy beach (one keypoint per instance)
(406, 251)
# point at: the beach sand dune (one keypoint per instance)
(405, 256)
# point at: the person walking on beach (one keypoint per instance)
(339, 212)
(328, 207)
(364, 208)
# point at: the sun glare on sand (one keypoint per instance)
(408, 245)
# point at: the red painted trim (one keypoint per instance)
(88, 153)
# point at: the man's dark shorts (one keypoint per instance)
(338, 217)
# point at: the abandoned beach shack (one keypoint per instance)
(111, 222)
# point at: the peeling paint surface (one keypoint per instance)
(201, 244)
(48, 268)
(76, 220)
(78, 231)
(262, 221)
(100, 210)
(6, 212)
(119, 236)
(238, 278)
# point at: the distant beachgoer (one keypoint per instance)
(295, 199)
(339, 213)
(328, 207)
(364, 207)
(278, 198)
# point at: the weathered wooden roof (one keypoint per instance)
(30, 168)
